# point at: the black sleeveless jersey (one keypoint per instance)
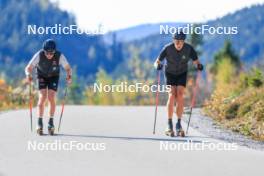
(49, 67)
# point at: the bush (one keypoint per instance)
(255, 78)
(232, 110)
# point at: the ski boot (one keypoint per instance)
(51, 127)
(179, 130)
(40, 127)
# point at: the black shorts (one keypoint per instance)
(50, 82)
(176, 80)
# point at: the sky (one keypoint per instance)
(118, 14)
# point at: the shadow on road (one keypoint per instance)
(174, 139)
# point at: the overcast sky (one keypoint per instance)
(116, 14)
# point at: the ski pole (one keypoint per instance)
(157, 101)
(30, 104)
(62, 107)
(193, 98)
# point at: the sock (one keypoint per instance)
(179, 121)
(170, 123)
(51, 120)
(40, 123)
(178, 124)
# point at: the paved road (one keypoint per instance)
(118, 141)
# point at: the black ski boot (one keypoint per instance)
(169, 131)
(179, 130)
(51, 127)
(40, 127)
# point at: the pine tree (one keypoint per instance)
(226, 52)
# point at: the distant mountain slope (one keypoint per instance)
(248, 43)
(88, 53)
(139, 31)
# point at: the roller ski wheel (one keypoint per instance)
(170, 132)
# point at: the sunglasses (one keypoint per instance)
(51, 53)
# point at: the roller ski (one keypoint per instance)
(40, 127)
(51, 127)
(179, 130)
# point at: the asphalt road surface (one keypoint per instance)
(113, 141)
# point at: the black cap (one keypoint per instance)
(179, 35)
(49, 45)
